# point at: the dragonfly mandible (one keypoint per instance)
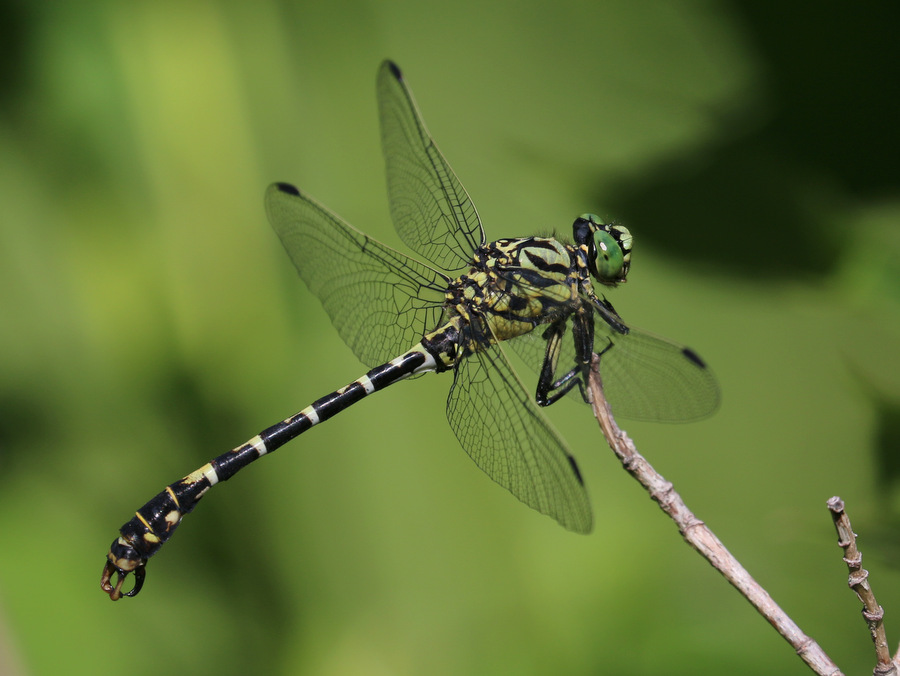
(455, 313)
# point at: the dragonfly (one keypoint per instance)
(456, 312)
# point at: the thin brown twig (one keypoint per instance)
(699, 536)
(859, 583)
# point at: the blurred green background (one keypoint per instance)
(150, 320)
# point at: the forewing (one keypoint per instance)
(380, 301)
(431, 210)
(508, 437)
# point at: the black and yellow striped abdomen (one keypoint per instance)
(155, 522)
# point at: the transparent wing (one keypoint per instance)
(380, 301)
(508, 437)
(645, 377)
(431, 210)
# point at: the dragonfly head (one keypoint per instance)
(608, 247)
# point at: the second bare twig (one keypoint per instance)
(859, 582)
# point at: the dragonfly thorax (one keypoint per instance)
(515, 285)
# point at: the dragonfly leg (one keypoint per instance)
(549, 390)
(560, 388)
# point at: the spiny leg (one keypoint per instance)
(548, 390)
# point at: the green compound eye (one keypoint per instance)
(610, 257)
(592, 218)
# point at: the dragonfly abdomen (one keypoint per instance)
(155, 522)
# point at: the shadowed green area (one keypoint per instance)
(150, 320)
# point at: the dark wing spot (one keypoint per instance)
(575, 469)
(395, 70)
(693, 356)
(287, 188)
